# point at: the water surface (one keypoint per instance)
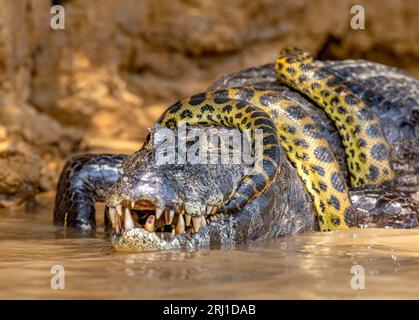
(309, 266)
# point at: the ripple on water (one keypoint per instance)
(309, 266)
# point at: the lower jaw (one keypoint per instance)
(139, 240)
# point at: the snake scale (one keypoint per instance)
(323, 163)
(285, 122)
(368, 160)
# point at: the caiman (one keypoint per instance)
(339, 148)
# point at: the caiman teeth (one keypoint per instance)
(188, 220)
(140, 216)
(159, 212)
(112, 215)
(149, 225)
(180, 228)
(209, 210)
(117, 227)
(119, 209)
(196, 223)
(169, 216)
(129, 222)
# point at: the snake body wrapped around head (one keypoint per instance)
(203, 109)
(365, 145)
(318, 134)
(308, 150)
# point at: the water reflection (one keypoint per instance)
(310, 266)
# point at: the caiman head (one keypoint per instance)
(160, 204)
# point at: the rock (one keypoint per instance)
(112, 61)
(19, 178)
(29, 139)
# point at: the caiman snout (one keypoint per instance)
(147, 213)
(144, 185)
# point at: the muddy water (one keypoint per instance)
(309, 266)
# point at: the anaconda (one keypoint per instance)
(315, 158)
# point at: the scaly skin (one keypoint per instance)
(366, 147)
(173, 187)
(203, 109)
(85, 180)
(368, 157)
(309, 152)
(285, 207)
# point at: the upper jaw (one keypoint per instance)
(147, 223)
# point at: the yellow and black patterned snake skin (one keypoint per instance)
(366, 148)
(205, 109)
(249, 108)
